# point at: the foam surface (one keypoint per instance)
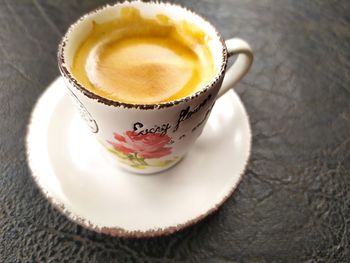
(142, 69)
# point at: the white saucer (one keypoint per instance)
(67, 164)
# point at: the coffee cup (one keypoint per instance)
(151, 136)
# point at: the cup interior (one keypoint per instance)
(79, 31)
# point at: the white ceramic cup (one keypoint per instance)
(148, 138)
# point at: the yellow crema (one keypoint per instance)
(139, 60)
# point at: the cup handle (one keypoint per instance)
(240, 67)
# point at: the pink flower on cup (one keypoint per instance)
(147, 146)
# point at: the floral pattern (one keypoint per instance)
(138, 150)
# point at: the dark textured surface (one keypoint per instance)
(293, 204)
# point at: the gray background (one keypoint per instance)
(293, 203)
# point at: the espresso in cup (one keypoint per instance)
(138, 60)
(145, 77)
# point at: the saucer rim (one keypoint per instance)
(119, 231)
